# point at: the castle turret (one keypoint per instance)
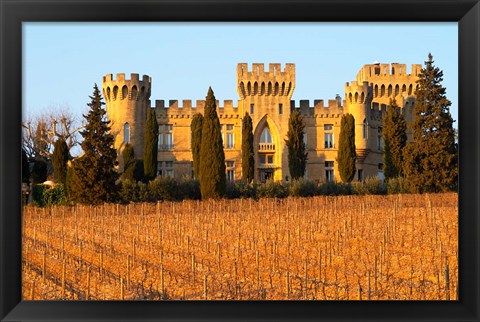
(127, 101)
(358, 98)
(266, 95)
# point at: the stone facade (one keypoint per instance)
(266, 96)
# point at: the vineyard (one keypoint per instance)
(320, 248)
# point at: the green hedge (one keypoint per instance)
(169, 189)
(44, 196)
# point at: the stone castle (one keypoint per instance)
(266, 96)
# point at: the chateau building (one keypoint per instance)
(266, 96)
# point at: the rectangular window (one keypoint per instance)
(262, 158)
(169, 169)
(252, 108)
(159, 168)
(165, 168)
(270, 159)
(230, 142)
(231, 175)
(328, 136)
(165, 137)
(328, 140)
(329, 174)
(230, 165)
(160, 140)
(280, 108)
(228, 136)
(168, 141)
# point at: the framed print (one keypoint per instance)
(253, 203)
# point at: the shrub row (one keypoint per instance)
(309, 188)
(169, 189)
(159, 189)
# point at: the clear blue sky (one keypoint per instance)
(62, 61)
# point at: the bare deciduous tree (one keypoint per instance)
(41, 131)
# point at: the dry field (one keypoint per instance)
(321, 248)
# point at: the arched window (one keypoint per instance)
(266, 136)
(124, 92)
(134, 93)
(242, 88)
(126, 133)
(364, 128)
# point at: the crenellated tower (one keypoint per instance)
(263, 88)
(127, 101)
(266, 95)
(358, 97)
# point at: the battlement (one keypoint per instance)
(258, 70)
(186, 109)
(357, 92)
(120, 77)
(376, 72)
(318, 109)
(261, 82)
(120, 88)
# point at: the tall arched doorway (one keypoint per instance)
(266, 155)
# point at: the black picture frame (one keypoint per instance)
(14, 12)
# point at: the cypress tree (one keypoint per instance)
(212, 156)
(151, 146)
(394, 140)
(297, 155)
(346, 148)
(248, 160)
(196, 142)
(431, 161)
(94, 173)
(59, 159)
(129, 162)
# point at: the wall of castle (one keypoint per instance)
(266, 96)
(180, 118)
